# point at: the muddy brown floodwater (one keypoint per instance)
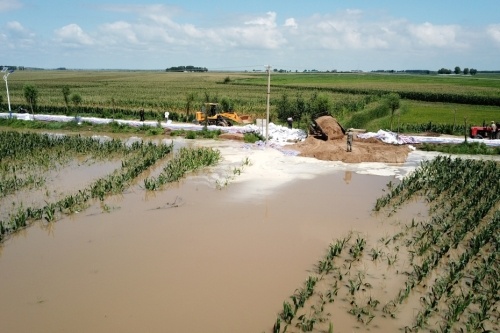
(191, 258)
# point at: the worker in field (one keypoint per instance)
(141, 114)
(493, 133)
(289, 120)
(349, 140)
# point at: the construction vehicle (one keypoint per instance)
(482, 132)
(213, 114)
(317, 131)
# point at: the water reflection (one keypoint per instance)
(49, 228)
(347, 176)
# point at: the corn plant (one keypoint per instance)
(463, 215)
(51, 150)
(357, 249)
(287, 313)
(306, 324)
(186, 160)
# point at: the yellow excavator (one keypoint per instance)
(213, 114)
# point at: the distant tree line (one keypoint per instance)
(186, 69)
(458, 70)
(407, 71)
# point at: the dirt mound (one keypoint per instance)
(335, 148)
(370, 150)
(232, 136)
(330, 127)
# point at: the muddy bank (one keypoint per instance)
(369, 150)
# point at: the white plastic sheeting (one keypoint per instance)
(277, 134)
(394, 138)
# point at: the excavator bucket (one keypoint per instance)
(246, 119)
(326, 128)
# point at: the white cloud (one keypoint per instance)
(73, 35)
(260, 32)
(153, 29)
(17, 36)
(355, 30)
(348, 30)
(118, 32)
(156, 26)
(165, 33)
(268, 21)
(253, 37)
(290, 22)
(493, 31)
(149, 14)
(16, 30)
(7, 5)
(428, 34)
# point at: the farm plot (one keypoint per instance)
(439, 273)
(429, 100)
(45, 176)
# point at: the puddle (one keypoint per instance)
(192, 258)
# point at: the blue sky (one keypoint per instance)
(230, 35)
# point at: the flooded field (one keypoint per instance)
(218, 252)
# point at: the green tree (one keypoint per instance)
(31, 96)
(393, 101)
(284, 107)
(76, 99)
(457, 70)
(473, 71)
(319, 104)
(66, 92)
(300, 110)
(466, 71)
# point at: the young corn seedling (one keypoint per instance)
(49, 212)
(287, 314)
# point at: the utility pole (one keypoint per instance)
(6, 75)
(268, 68)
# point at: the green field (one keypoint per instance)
(431, 98)
(479, 84)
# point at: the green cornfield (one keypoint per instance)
(435, 99)
(443, 268)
